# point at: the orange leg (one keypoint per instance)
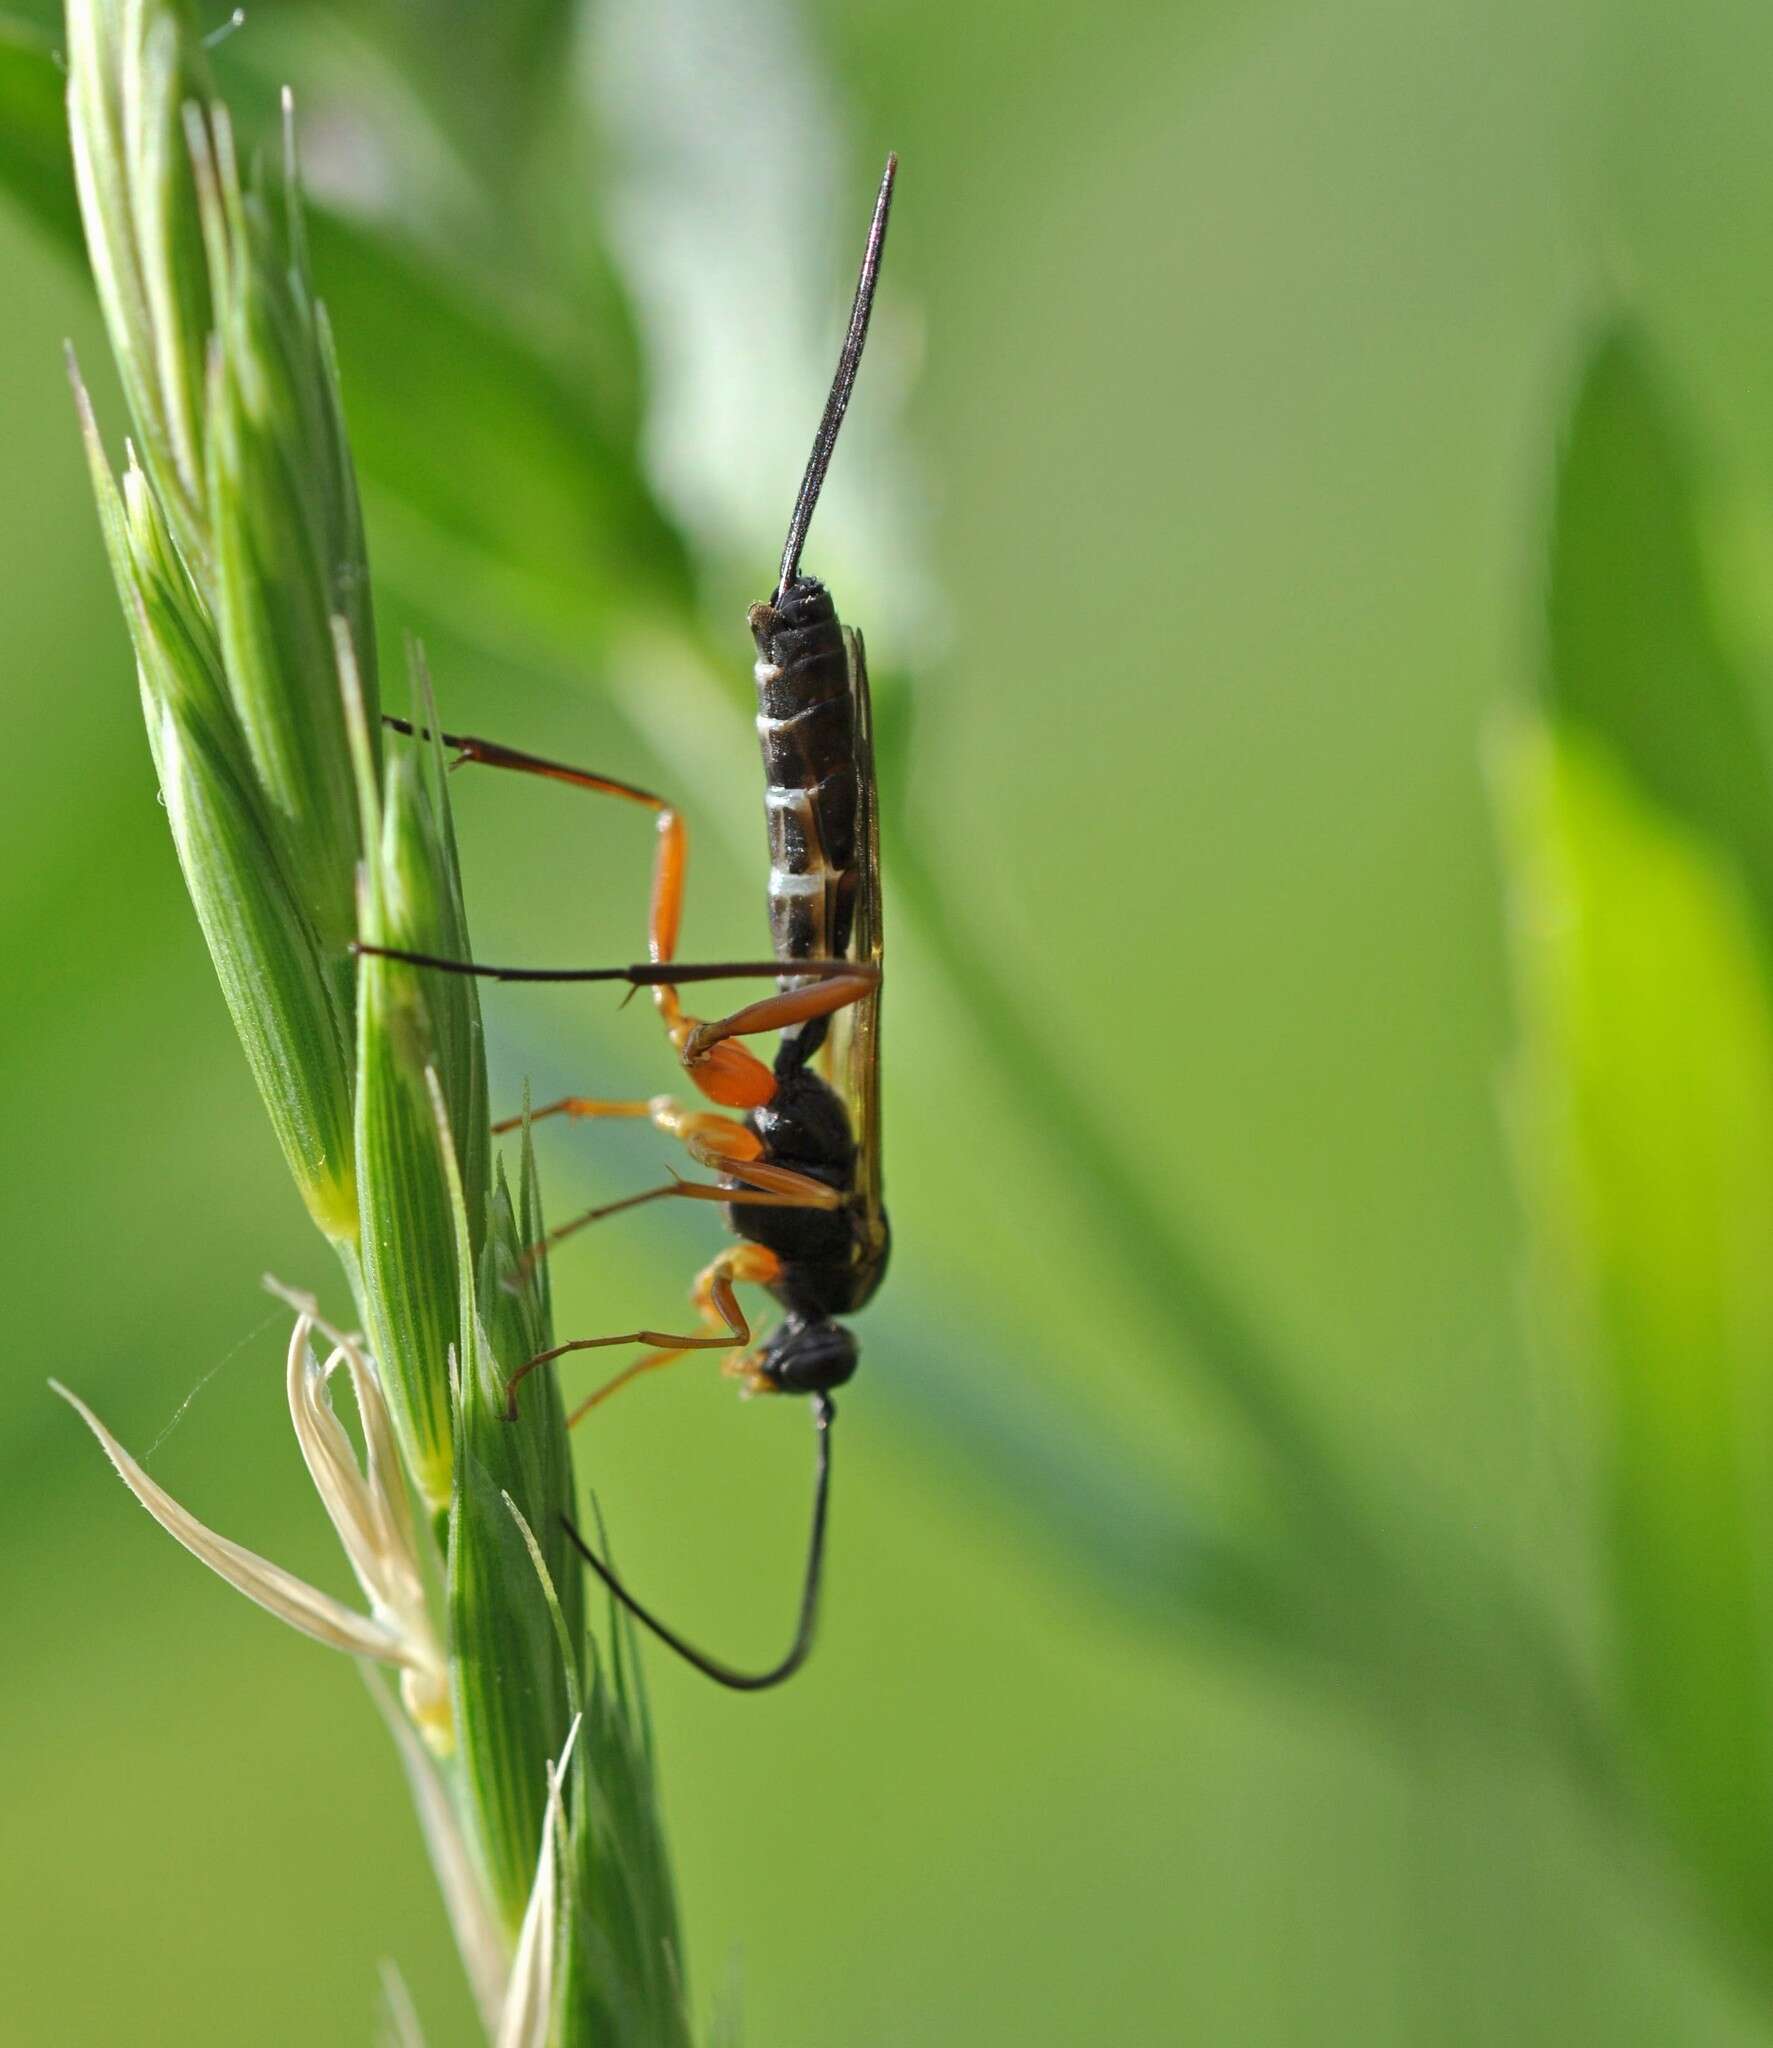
(724, 1072)
(716, 1142)
(669, 861)
(724, 1326)
(792, 1006)
(574, 1106)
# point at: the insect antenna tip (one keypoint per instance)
(848, 362)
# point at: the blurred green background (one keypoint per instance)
(1196, 509)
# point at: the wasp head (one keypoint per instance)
(808, 1357)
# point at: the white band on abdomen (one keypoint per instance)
(813, 884)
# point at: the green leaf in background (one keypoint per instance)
(1635, 653)
(501, 487)
(34, 132)
(496, 490)
(1642, 844)
(1652, 1055)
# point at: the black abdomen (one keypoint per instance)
(806, 724)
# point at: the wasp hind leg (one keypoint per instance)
(724, 1072)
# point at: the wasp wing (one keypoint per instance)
(855, 1042)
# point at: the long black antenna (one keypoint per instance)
(847, 365)
(824, 1414)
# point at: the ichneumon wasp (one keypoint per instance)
(800, 1171)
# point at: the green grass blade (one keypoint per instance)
(411, 1286)
(622, 1979)
(287, 538)
(267, 957)
(509, 1683)
(237, 545)
(1642, 844)
(1651, 1055)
